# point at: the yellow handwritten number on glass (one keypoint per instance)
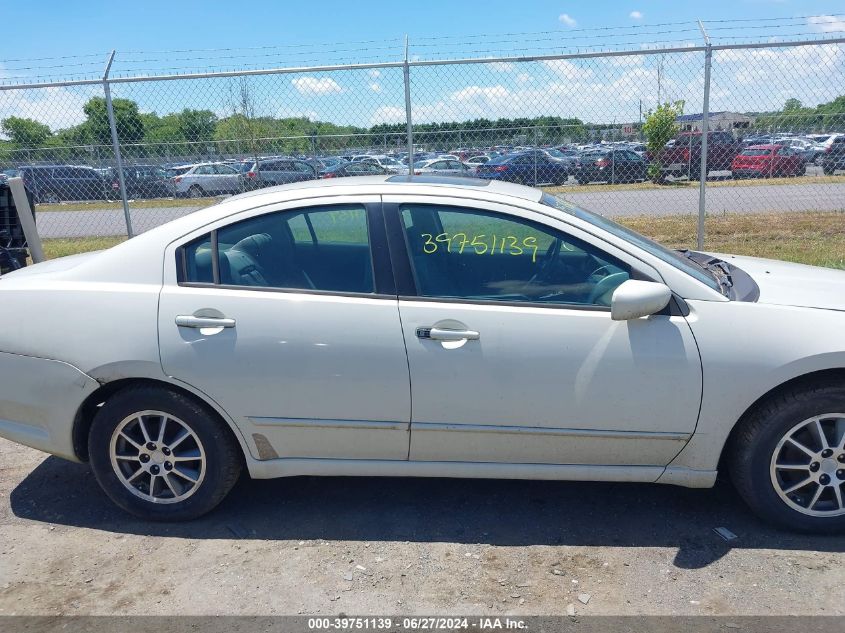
(430, 245)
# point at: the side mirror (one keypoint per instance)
(634, 299)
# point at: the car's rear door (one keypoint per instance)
(293, 329)
(512, 351)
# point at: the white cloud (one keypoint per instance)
(523, 78)
(375, 86)
(314, 86)
(58, 108)
(827, 23)
(566, 19)
(375, 73)
(635, 15)
(502, 67)
(567, 69)
(625, 61)
(480, 93)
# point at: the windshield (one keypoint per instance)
(178, 171)
(391, 161)
(632, 237)
(555, 153)
(756, 152)
(241, 167)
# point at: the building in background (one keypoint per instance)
(716, 121)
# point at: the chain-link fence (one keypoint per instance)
(695, 128)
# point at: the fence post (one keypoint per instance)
(407, 73)
(116, 146)
(705, 116)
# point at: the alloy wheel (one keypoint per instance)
(157, 457)
(808, 466)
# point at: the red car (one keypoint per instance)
(767, 161)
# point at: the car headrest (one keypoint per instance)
(253, 244)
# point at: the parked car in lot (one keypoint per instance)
(289, 330)
(359, 168)
(768, 161)
(320, 164)
(441, 167)
(278, 171)
(834, 155)
(474, 161)
(683, 158)
(196, 181)
(530, 168)
(613, 166)
(805, 149)
(388, 163)
(56, 183)
(144, 181)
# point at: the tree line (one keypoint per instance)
(202, 132)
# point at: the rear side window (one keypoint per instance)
(321, 248)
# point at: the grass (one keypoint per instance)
(812, 237)
(110, 205)
(70, 246)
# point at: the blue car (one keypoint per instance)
(528, 168)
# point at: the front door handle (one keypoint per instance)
(189, 320)
(442, 334)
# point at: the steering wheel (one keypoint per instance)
(607, 267)
(605, 284)
(548, 259)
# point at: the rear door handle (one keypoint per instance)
(189, 320)
(441, 334)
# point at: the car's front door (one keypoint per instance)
(293, 329)
(512, 351)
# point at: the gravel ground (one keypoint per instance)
(403, 546)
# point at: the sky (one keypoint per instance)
(187, 36)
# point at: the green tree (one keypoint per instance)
(130, 126)
(792, 105)
(197, 125)
(659, 128)
(25, 132)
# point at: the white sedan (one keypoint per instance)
(431, 327)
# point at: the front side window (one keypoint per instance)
(319, 248)
(482, 256)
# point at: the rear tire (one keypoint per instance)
(195, 191)
(828, 170)
(173, 474)
(763, 443)
(48, 197)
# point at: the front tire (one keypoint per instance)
(787, 458)
(162, 456)
(50, 197)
